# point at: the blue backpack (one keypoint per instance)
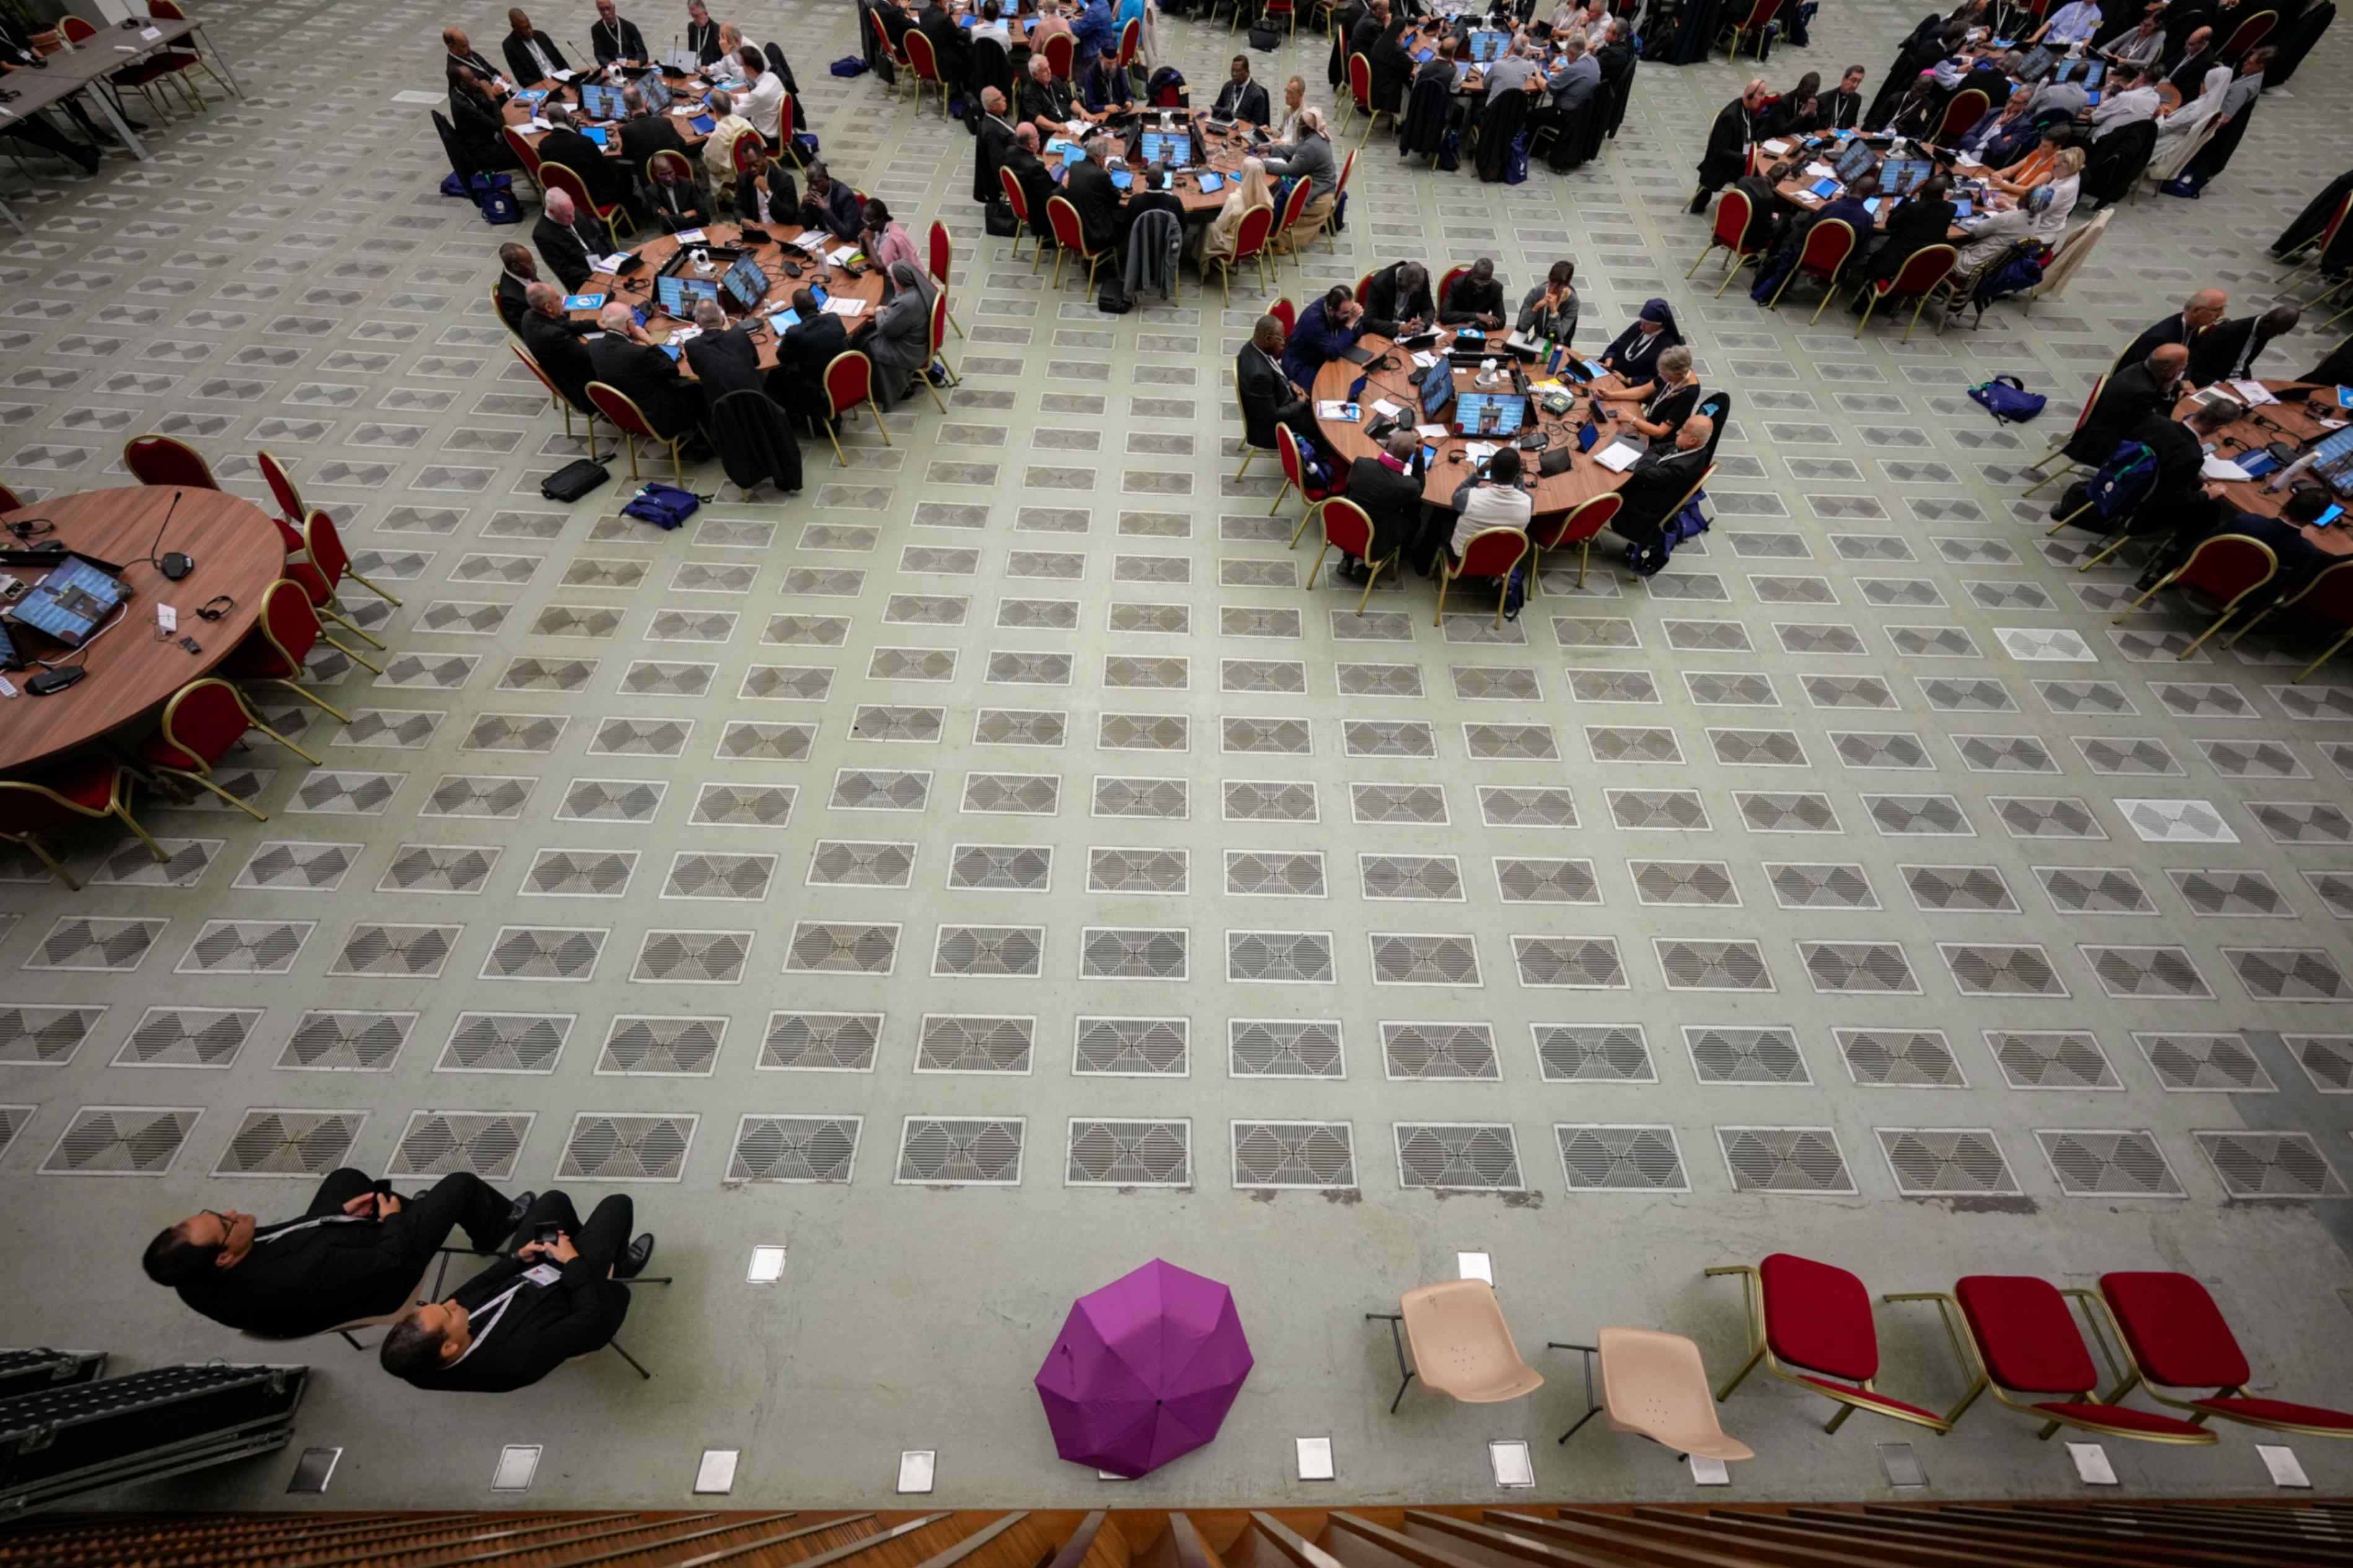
(2007, 398)
(2124, 480)
(494, 195)
(1692, 520)
(663, 505)
(1515, 161)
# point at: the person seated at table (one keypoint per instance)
(630, 362)
(1047, 100)
(2174, 502)
(1549, 310)
(1328, 328)
(455, 44)
(1924, 219)
(1656, 486)
(1633, 355)
(724, 359)
(676, 199)
(1796, 112)
(727, 70)
(1242, 99)
(1674, 396)
(1839, 109)
(1086, 184)
(1916, 113)
(1103, 87)
(1249, 189)
(951, 45)
(1029, 172)
(884, 238)
(607, 179)
(1392, 64)
(1729, 142)
(763, 102)
(1571, 84)
(2059, 194)
(2196, 317)
(554, 339)
(1294, 108)
(568, 240)
(1512, 70)
(1992, 232)
(644, 132)
(614, 37)
(517, 273)
(1768, 210)
(897, 337)
(1309, 158)
(532, 56)
(769, 196)
(718, 147)
(1475, 300)
(832, 206)
(1490, 498)
(2049, 99)
(2200, 52)
(2127, 98)
(2034, 169)
(2073, 22)
(1388, 487)
(2300, 560)
(2151, 384)
(1049, 21)
(701, 33)
(1396, 299)
(1993, 127)
(2228, 351)
(1846, 208)
(992, 26)
(473, 114)
(1270, 397)
(2143, 45)
(803, 351)
(1929, 43)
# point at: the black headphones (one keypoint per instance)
(214, 608)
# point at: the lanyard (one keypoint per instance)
(496, 1307)
(290, 1226)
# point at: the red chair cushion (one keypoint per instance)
(2028, 1337)
(1818, 1317)
(2174, 1329)
(2122, 1418)
(88, 782)
(1872, 1394)
(2280, 1410)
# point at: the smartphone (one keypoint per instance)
(2329, 517)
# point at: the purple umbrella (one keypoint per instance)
(1145, 1370)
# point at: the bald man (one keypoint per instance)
(2227, 352)
(568, 240)
(553, 338)
(626, 360)
(461, 49)
(1728, 140)
(2201, 311)
(2151, 387)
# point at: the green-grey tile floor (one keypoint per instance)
(992, 867)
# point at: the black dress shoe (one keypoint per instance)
(518, 1208)
(633, 1262)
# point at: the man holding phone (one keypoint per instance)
(359, 1251)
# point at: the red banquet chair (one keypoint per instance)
(283, 636)
(849, 383)
(1250, 236)
(324, 571)
(164, 462)
(181, 59)
(563, 178)
(78, 32)
(943, 256)
(891, 51)
(1286, 225)
(1576, 527)
(1061, 50)
(1966, 108)
(939, 360)
(201, 722)
(555, 397)
(1070, 239)
(621, 411)
(290, 510)
(1283, 310)
(1731, 236)
(1752, 28)
(1020, 204)
(2043, 463)
(2226, 568)
(1446, 283)
(1360, 94)
(2172, 1333)
(1131, 40)
(1348, 526)
(1492, 553)
(1817, 1318)
(1829, 246)
(2328, 598)
(77, 790)
(526, 155)
(8, 502)
(1294, 477)
(924, 66)
(1921, 272)
(2013, 1334)
(2248, 33)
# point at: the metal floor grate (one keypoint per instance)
(606, 1147)
(1465, 1156)
(976, 1045)
(667, 1048)
(1727, 1056)
(188, 1037)
(1284, 1048)
(1901, 1058)
(1427, 1050)
(274, 1142)
(1295, 1154)
(505, 1043)
(961, 1153)
(821, 1042)
(1133, 1047)
(1130, 1154)
(2326, 1059)
(1620, 1158)
(1785, 1159)
(435, 1143)
(346, 1041)
(2051, 1059)
(46, 1036)
(1947, 1161)
(795, 1149)
(2199, 1063)
(2108, 1163)
(121, 1141)
(1605, 1053)
(2269, 1164)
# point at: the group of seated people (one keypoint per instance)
(1654, 403)
(1546, 78)
(2132, 423)
(557, 1288)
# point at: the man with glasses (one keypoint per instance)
(358, 1251)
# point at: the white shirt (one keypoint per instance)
(539, 57)
(998, 30)
(763, 103)
(2073, 24)
(2125, 109)
(1491, 506)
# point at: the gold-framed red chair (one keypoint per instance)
(554, 176)
(1283, 310)
(1294, 477)
(1829, 246)
(1131, 45)
(1752, 29)
(2248, 33)
(1020, 203)
(290, 510)
(939, 352)
(1492, 553)
(1249, 452)
(526, 155)
(326, 565)
(2315, 247)
(924, 66)
(168, 462)
(748, 156)
(2327, 598)
(8, 501)
(1347, 527)
(891, 51)
(1730, 235)
(79, 789)
(940, 257)
(1446, 283)
(2013, 1334)
(2099, 384)
(1071, 240)
(849, 383)
(1323, 229)
(79, 32)
(283, 634)
(1360, 97)
(201, 722)
(788, 124)
(1268, 10)
(1577, 526)
(178, 61)
(2173, 1334)
(621, 412)
(555, 396)
(1921, 272)
(1062, 53)
(1285, 241)
(1250, 238)
(1965, 109)
(2226, 568)
(1816, 1318)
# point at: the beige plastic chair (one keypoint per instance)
(1655, 1386)
(2073, 251)
(1462, 1346)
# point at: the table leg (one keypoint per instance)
(114, 118)
(13, 221)
(215, 57)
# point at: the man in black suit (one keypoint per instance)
(358, 1251)
(1475, 300)
(517, 273)
(554, 339)
(2152, 386)
(1843, 105)
(1396, 301)
(723, 358)
(614, 38)
(607, 179)
(2189, 327)
(2228, 351)
(1924, 219)
(1658, 482)
(2202, 52)
(644, 133)
(1047, 101)
(1728, 140)
(951, 45)
(802, 351)
(568, 240)
(1240, 98)
(1029, 172)
(1268, 396)
(993, 140)
(1388, 487)
(527, 1314)
(702, 32)
(830, 204)
(462, 56)
(1089, 189)
(531, 55)
(628, 361)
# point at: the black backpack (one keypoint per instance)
(1115, 300)
(1263, 37)
(574, 479)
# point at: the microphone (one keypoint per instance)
(175, 565)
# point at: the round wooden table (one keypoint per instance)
(639, 289)
(2292, 422)
(238, 552)
(567, 93)
(1584, 478)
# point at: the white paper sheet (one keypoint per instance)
(1617, 457)
(837, 305)
(2222, 469)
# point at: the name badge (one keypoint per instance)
(542, 1274)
